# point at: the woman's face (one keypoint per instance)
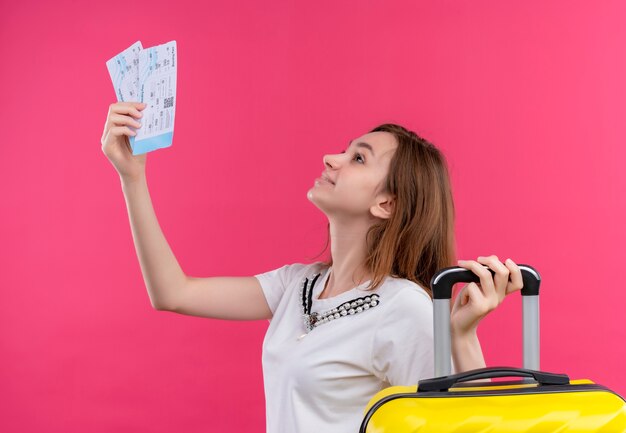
(351, 184)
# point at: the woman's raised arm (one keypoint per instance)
(233, 298)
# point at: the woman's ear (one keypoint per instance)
(384, 206)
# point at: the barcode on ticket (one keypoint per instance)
(168, 102)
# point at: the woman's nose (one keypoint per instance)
(330, 161)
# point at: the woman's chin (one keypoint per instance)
(315, 199)
(312, 196)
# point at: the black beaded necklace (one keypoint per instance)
(351, 307)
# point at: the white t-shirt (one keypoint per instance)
(322, 382)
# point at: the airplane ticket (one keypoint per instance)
(149, 76)
(124, 71)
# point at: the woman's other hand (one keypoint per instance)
(475, 301)
(115, 143)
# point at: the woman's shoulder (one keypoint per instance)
(309, 269)
(405, 315)
(298, 270)
(401, 292)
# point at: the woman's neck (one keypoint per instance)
(349, 250)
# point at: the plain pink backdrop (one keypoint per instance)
(526, 100)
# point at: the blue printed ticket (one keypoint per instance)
(149, 76)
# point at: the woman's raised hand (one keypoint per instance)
(475, 301)
(115, 143)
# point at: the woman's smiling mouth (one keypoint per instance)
(324, 179)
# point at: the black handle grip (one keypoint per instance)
(441, 283)
(446, 382)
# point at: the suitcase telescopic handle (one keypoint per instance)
(447, 382)
(441, 284)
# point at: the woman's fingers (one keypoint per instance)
(501, 277)
(122, 130)
(132, 108)
(120, 115)
(486, 281)
(462, 297)
(471, 293)
(475, 301)
(120, 119)
(476, 297)
(516, 282)
(469, 307)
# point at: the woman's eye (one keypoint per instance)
(358, 157)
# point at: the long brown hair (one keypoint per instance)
(418, 239)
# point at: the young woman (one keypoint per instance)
(342, 330)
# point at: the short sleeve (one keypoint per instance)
(402, 347)
(275, 282)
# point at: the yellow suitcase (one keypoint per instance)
(541, 402)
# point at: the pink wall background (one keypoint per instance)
(526, 99)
